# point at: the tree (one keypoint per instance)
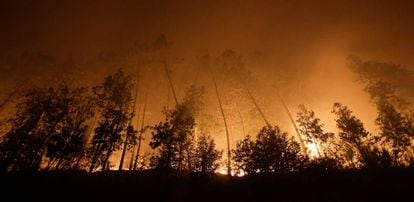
(311, 128)
(394, 119)
(113, 101)
(274, 151)
(242, 156)
(172, 138)
(67, 142)
(206, 155)
(49, 122)
(19, 146)
(271, 152)
(396, 130)
(131, 134)
(390, 86)
(371, 73)
(354, 137)
(351, 128)
(129, 143)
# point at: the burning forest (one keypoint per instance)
(188, 101)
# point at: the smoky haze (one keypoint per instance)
(298, 49)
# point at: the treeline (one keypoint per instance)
(65, 128)
(52, 130)
(352, 146)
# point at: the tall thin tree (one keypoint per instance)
(128, 133)
(254, 102)
(141, 131)
(225, 125)
(301, 141)
(134, 147)
(167, 72)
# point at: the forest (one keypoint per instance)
(72, 133)
(63, 127)
(267, 100)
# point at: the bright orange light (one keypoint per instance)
(223, 171)
(313, 149)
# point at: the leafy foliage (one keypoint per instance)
(51, 127)
(271, 152)
(68, 141)
(172, 138)
(113, 101)
(50, 122)
(206, 155)
(311, 127)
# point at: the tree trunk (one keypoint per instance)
(134, 147)
(301, 141)
(242, 122)
(131, 161)
(141, 130)
(225, 126)
(105, 162)
(121, 163)
(129, 125)
(94, 157)
(167, 71)
(254, 102)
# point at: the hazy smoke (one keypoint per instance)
(298, 48)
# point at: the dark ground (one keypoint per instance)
(351, 185)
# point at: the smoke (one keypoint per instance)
(376, 74)
(298, 49)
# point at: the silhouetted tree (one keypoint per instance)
(389, 86)
(141, 132)
(311, 128)
(131, 134)
(174, 137)
(19, 146)
(395, 124)
(49, 122)
(271, 152)
(242, 156)
(274, 151)
(376, 158)
(206, 155)
(324, 164)
(129, 142)
(396, 130)
(352, 133)
(114, 102)
(67, 142)
(371, 73)
(225, 126)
